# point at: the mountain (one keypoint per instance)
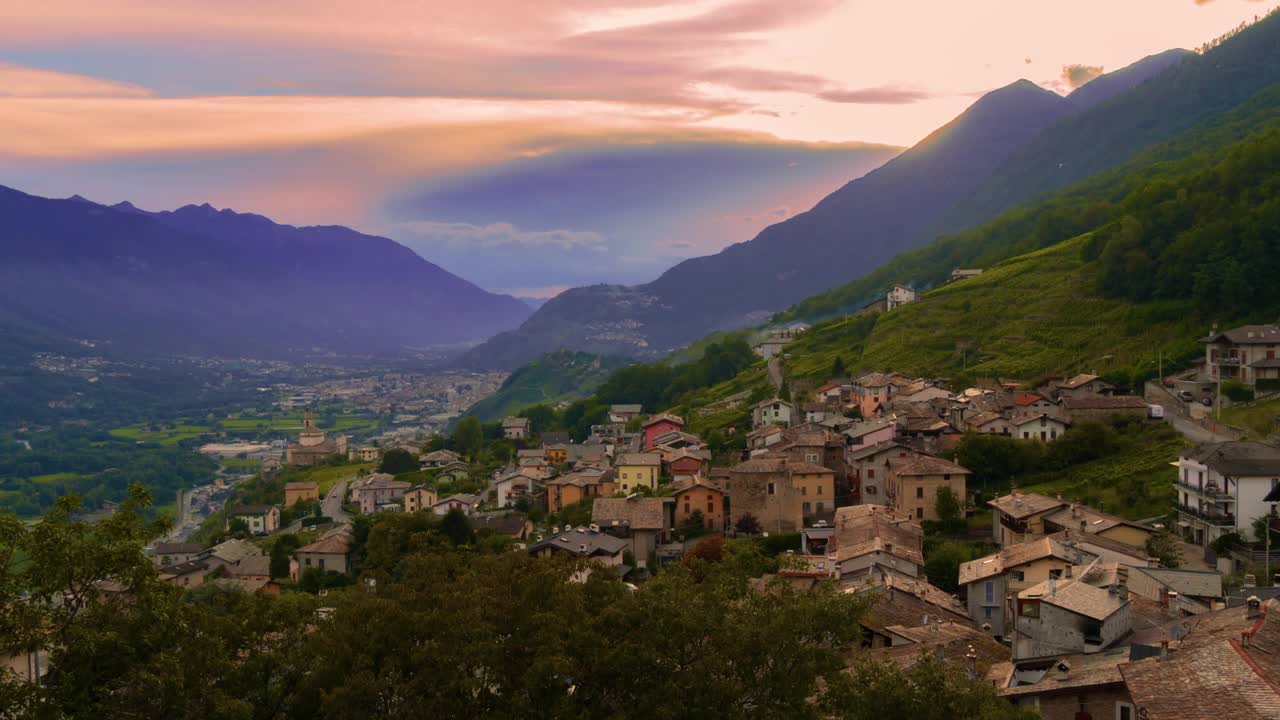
(198, 280)
(858, 227)
(553, 378)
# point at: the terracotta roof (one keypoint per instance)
(1078, 597)
(251, 510)
(884, 446)
(1024, 399)
(303, 485)
(983, 418)
(929, 465)
(1086, 670)
(515, 422)
(861, 529)
(1020, 505)
(638, 513)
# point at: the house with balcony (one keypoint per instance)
(1019, 517)
(1249, 353)
(1222, 488)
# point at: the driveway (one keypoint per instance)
(1194, 431)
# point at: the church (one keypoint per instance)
(313, 445)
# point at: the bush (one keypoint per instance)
(1237, 391)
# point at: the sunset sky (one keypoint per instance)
(452, 126)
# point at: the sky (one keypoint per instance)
(528, 146)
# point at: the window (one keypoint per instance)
(320, 562)
(1055, 574)
(989, 592)
(919, 513)
(1124, 711)
(819, 507)
(987, 612)
(686, 507)
(1029, 608)
(919, 492)
(1017, 575)
(818, 489)
(807, 510)
(871, 472)
(804, 489)
(770, 488)
(947, 477)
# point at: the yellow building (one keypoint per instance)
(419, 498)
(914, 486)
(635, 469)
(298, 491)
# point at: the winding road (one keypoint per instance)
(331, 505)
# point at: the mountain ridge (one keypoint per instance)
(247, 284)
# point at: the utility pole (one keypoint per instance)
(1160, 363)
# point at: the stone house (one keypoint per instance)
(914, 485)
(643, 521)
(1068, 615)
(515, 428)
(779, 492)
(774, 411)
(869, 468)
(987, 582)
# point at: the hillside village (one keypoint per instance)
(1059, 604)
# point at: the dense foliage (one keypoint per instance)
(94, 464)
(433, 630)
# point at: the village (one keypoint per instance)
(1074, 609)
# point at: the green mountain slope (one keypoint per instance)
(1066, 214)
(552, 378)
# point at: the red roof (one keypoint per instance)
(828, 386)
(1025, 399)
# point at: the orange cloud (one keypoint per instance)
(19, 81)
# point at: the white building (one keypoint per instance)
(900, 295)
(1042, 427)
(1222, 488)
(772, 412)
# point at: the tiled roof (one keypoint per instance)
(515, 422)
(333, 544)
(233, 551)
(638, 513)
(929, 465)
(1086, 671)
(1077, 381)
(1095, 521)
(1244, 458)
(664, 416)
(303, 485)
(1248, 335)
(177, 548)
(644, 459)
(861, 529)
(1020, 505)
(1214, 681)
(985, 417)
(1013, 556)
(1078, 597)
(697, 481)
(581, 542)
(1024, 399)
(778, 465)
(1104, 402)
(251, 510)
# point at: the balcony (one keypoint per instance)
(1212, 516)
(1208, 491)
(1227, 362)
(1017, 526)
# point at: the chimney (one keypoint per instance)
(1084, 526)
(1164, 648)
(1075, 509)
(925, 621)
(971, 663)
(937, 624)
(1255, 607)
(1067, 573)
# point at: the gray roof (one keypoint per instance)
(1245, 458)
(1078, 597)
(1248, 335)
(582, 542)
(1192, 583)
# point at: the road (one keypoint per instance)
(775, 372)
(1194, 431)
(331, 506)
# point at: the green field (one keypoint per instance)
(293, 423)
(240, 464)
(166, 436)
(1136, 483)
(54, 478)
(1258, 419)
(326, 477)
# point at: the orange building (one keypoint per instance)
(574, 487)
(699, 493)
(296, 491)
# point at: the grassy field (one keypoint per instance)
(327, 477)
(54, 478)
(167, 436)
(1258, 419)
(1135, 483)
(293, 422)
(240, 464)
(1036, 313)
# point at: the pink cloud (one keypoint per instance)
(19, 81)
(875, 96)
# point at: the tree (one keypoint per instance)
(694, 525)
(837, 368)
(950, 514)
(456, 528)
(398, 460)
(1165, 547)
(942, 564)
(468, 436)
(748, 525)
(282, 553)
(927, 690)
(1222, 544)
(784, 392)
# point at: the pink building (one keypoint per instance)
(659, 425)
